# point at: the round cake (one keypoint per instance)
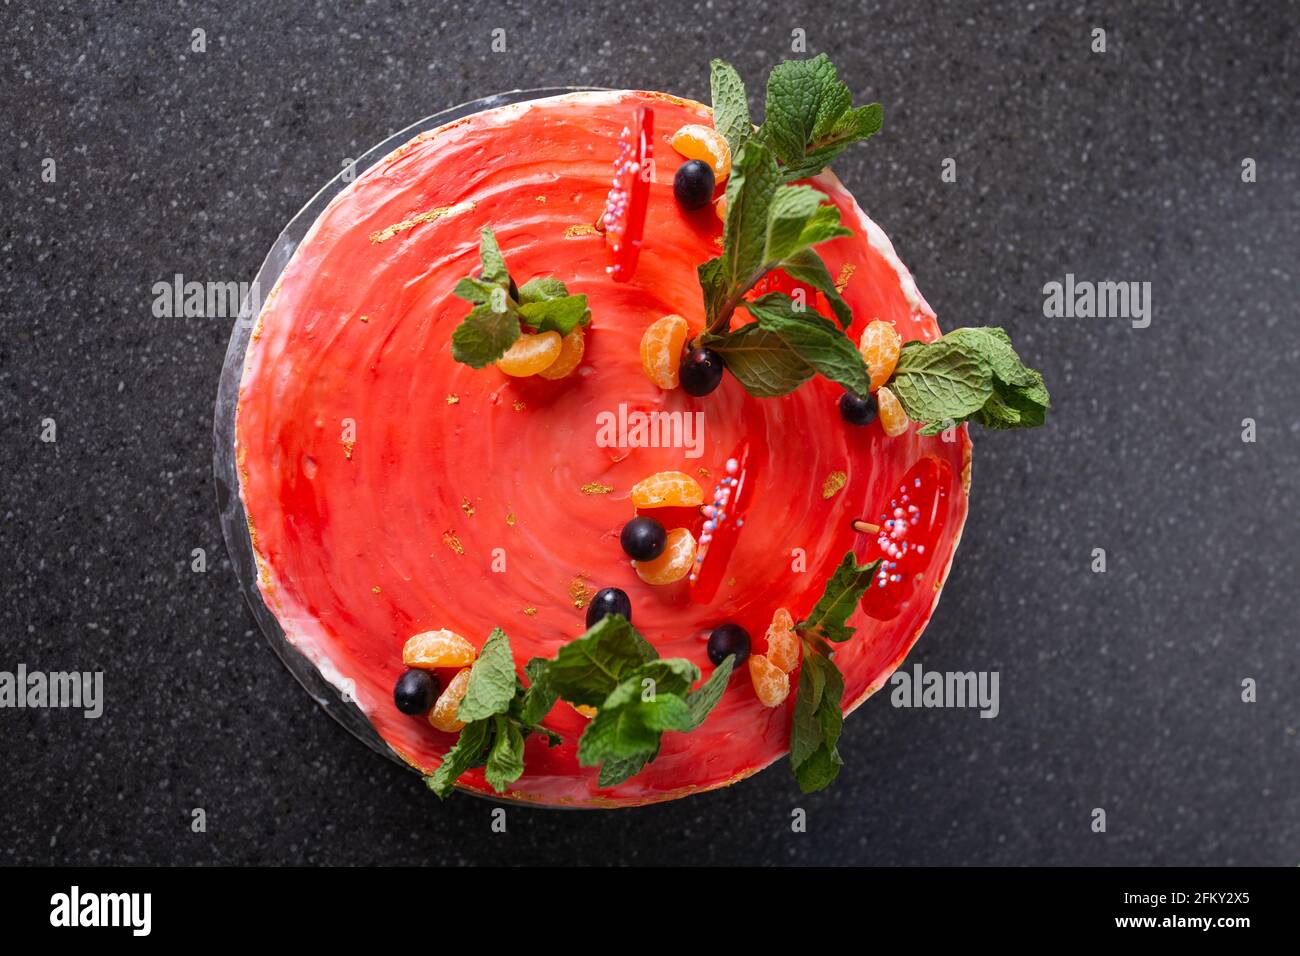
(392, 490)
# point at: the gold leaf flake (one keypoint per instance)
(375, 589)
(704, 473)
(365, 318)
(842, 280)
(833, 483)
(510, 519)
(450, 540)
(731, 582)
(541, 199)
(466, 507)
(581, 229)
(347, 448)
(578, 592)
(596, 488)
(519, 405)
(530, 611)
(429, 215)
(453, 399)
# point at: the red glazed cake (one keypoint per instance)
(391, 490)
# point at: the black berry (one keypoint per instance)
(644, 539)
(857, 410)
(728, 639)
(608, 601)
(693, 184)
(514, 290)
(701, 371)
(415, 692)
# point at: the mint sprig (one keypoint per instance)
(501, 312)
(818, 708)
(499, 713)
(638, 695)
(970, 374)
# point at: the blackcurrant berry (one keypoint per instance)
(693, 184)
(644, 539)
(608, 601)
(701, 371)
(415, 692)
(728, 639)
(857, 410)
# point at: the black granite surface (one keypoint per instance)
(1119, 690)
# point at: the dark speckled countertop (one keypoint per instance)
(1119, 691)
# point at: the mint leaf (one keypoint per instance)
(614, 772)
(795, 91)
(788, 213)
(818, 719)
(809, 116)
(466, 753)
(839, 599)
(969, 373)
(818, 341)
(556, 315)
(481, 293)
(505, 761)
(587, 670)
(940, 380)
(542, 290)
(540, 697)
(704, 698)
(751, 188)
(761, 361)
(483, 336)
(617, 733)
(807, 267)
(492, 681)
(494, 264)
(730, 105)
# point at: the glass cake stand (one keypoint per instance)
(234, 522)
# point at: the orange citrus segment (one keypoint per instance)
(530, 354)
(892, 417)
(720, 207)
(571, 348)
(667, 489)
(782, 642)
(585, 710)
(880, 345)
(674, 564)
(443, 715)
(661, 349)
(771, 684)
(704, 143)
(432, 649)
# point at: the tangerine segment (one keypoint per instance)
(667, 489)
(530, 354)
(707, 144)
(571, 348)
(771, 684)
(431, 649)
(586, 710)
(674, 564)
(892, 417)
(661, 349)
(783, 642)
(880, 345)
(443, 716)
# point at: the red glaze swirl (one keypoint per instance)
(382, 479)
